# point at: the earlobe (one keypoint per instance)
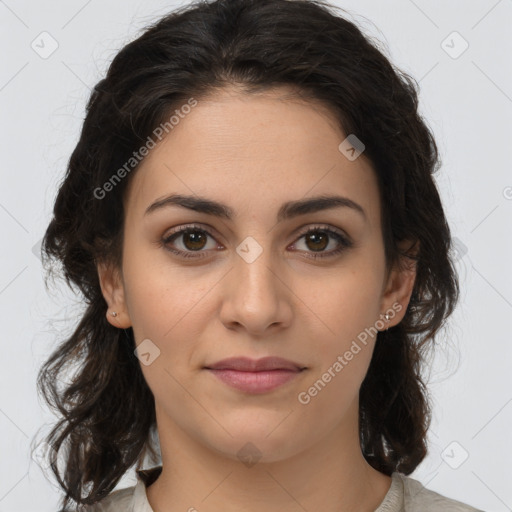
(113, 292)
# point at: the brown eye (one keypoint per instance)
(192, 240)
(317, 239)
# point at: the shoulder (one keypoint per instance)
(116, 501)
(418, 498)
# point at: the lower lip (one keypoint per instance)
(255, 382)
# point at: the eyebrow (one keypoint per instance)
(287, 211)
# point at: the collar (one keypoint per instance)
(393, 501)
(145, 477)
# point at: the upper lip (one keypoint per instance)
(245, 364)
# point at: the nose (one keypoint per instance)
(256, 296)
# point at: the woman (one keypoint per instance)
(251, 216)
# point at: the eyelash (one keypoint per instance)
(344, 242)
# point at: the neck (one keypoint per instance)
(331, 475)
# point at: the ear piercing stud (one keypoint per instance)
(113, 313)
(387, 318)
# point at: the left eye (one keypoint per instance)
(194, 239)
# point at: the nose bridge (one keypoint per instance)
(254, 268)
(256, 297)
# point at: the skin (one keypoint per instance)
(253, 153)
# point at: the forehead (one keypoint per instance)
(253, 150)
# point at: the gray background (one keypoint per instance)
(466, 97)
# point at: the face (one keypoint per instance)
(254, 283)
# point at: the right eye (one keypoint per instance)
(193, 239)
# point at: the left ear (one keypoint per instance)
(400, 283)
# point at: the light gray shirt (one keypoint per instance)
(404, 495)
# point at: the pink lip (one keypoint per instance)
(255, 376)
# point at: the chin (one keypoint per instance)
(258, 444)
(252, 451)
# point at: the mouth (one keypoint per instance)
(245, 364)
(255, 376)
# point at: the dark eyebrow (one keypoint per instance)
(287, 211)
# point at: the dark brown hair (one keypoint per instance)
(107, 410)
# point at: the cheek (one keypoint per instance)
(343, 346)
(160, 295)
(345, 310)
(170, 307)
(346, 302)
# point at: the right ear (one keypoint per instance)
(112, 288)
